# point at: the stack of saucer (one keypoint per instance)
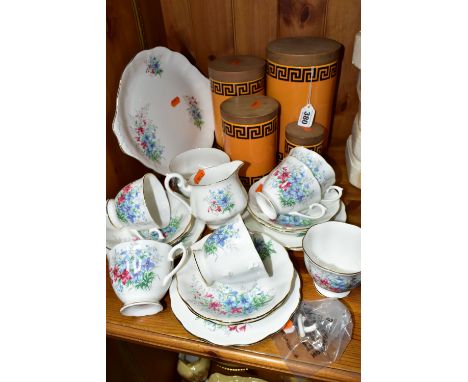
(289, 217)
(237, 288)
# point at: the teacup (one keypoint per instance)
(216, 193)
(228, 255)
(116, 236)
(289, 188)
(190, 161)
(332, 255)
(111, 214)
(322, 171)
(141, 272)
(143, 204)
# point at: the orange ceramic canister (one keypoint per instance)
(290, 63)
(250, 125)
(234, 76)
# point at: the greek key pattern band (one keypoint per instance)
(279, 157)
(301, 74)
(318, 148)
(247, 181)
(238, 88)
(250, 131)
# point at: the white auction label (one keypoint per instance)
(306, 117)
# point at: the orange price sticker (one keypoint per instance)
(259, 188)
(198, 176)
(175, 101)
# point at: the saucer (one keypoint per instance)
(290, 240)
(235, 303)
(236, 334)
(286, 222)
(180, 223)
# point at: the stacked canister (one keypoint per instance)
(292, 63)
(353, 145)
(234, 76)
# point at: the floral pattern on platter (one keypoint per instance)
(129, 202)
(226, 329)
(293, 221)
(292, 184)
(145, 134)
(220, 238)
(332, 281)
(153, 66)
(194, 111)
(220, 201)
(225, 300)
(263, 247)
(314, 165)
(134, 268)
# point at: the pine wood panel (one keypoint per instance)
(302, 17)
(178, 27)
(342, 23)
(150, 17)
(164, 330)
(250, 35)
(213, 30)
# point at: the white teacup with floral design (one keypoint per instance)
(143, 204)
(288, 189)
(332, 255)
(228, 255)
(216, 193)
(141, 272)
(322, 171)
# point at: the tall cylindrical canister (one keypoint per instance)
(234, 76)
(250, 125)
(291, 62)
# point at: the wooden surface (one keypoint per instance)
(204, 29)
(164, 330)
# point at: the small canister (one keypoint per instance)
(310, 137)
(234, 76)
(250, 125)
(291, 62)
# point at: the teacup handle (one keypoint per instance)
(339, 192)
(170, 257)
(186, 188)
(323, 211)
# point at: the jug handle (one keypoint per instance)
(182, 184)
(170, 257)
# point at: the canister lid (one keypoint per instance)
(304, 136)
(236, 68)
(304, 51)
(249, 109)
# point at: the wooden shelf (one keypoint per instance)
(165, 331)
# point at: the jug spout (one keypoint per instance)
(216, 174)
(235, 165)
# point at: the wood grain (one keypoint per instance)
(164, 330)
(255, 25)
(178, 26)
(302, 17)
(342, 23)
(212, 30)
(151, 20)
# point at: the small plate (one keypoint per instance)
(235, 303)
(289, 240)
(180, 222)
(236, 334)
(162, 96)
(286, 222)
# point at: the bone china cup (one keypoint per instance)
(189, 162)
(141, 272)
(143, 204)
(289, 188)
(332, 255)
(228, 255)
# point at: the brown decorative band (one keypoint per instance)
(216, 146)
(247, 181)
(301, 74)
(237, 88)
(279, 157)
(250, 131)
(318, 148)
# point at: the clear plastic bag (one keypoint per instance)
(318, 333)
